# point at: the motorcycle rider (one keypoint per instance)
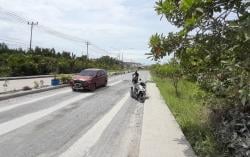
(135, 77)
(138, 90)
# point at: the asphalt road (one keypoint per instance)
(63, 123)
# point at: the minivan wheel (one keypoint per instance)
(106, 83)
(93, 87)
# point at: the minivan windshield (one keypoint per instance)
(88, 73)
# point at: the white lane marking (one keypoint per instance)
(82, 146)
(19, 122)
(26, 119)
(115, 83)
(7, 108)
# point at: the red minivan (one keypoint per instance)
(89, 79)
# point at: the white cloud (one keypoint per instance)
(107, 23)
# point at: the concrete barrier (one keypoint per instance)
(48, 76)
(25, 77)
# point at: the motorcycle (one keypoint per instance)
(138, 91)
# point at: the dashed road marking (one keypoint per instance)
(115, 83)
(21, 121)
(82, 146)
(7, 108)
(28, 118)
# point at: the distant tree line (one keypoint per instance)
(40, 61)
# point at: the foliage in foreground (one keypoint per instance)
(17, 62)
(213, 49)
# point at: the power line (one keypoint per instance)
(8, 43)
(61, 35)
(10, 40)
(43, 28)
(98, 49)
(50, 31)
(14, 15)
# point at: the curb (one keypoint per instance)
(8, 96)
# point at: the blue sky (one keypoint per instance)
(114, 25)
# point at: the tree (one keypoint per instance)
(16, 62)
(213, 47)
(173, 71)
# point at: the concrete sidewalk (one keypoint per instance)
(161, 135)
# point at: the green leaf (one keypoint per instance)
(190, 21)
(183, 32)
(199, 10)
(186, 4)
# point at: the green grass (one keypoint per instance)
(191, 114)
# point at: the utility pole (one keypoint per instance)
(87, 43)
(31, 31)
(122, 61)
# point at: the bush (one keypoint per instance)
(233, 131)
(36, 84)
(65, 79)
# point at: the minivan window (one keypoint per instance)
(99, 73)
(88, 73)
(103, 72)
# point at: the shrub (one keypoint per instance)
(65, 78)
(36, 84)
(234, 132)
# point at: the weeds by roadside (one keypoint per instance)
(191, 114)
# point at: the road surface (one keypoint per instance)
(63, 123)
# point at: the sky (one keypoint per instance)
(116, 26)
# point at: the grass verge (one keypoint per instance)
(191, 115)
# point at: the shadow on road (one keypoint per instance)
(188, 151)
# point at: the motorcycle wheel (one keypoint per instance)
(141, 98)
(131, 92)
